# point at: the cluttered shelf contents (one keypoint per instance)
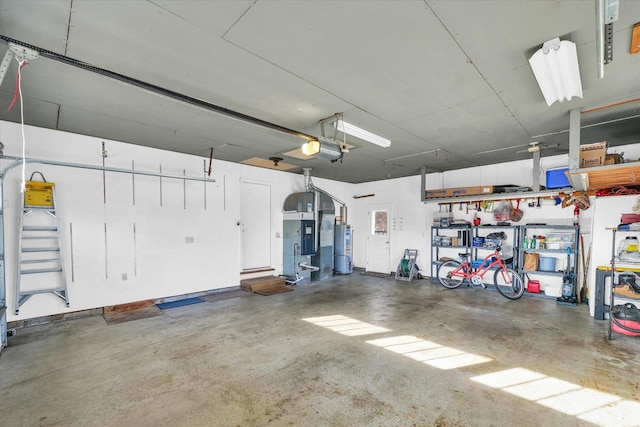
(624, 292)
(488, 237)
(544, 249)
(448, 240)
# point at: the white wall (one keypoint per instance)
(408, 227)
(157, 260)
(413, 218)
(161, 263)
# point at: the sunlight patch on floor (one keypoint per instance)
(563, 396)
(428, 352)
(345, 325)
(572, 399)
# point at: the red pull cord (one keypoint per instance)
(15, 95)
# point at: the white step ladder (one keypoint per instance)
(39, 243)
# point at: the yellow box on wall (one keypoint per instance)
(38, 193)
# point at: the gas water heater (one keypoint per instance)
(343, 249)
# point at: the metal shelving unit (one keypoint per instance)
(612, 294)
(513, 238)
(462, 232)
(531, 230)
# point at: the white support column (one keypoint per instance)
(574, 139)
(536, 171)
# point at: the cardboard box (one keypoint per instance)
(592, 155)
(459, 191)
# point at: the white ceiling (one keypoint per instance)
(444, 80)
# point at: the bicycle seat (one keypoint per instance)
(464, 256)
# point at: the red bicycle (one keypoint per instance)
(507, 281)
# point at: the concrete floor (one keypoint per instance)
(253, 361)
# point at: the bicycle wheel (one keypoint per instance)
(508, 283)
(445, 277)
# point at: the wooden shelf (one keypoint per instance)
(499, 196)
(593, 179)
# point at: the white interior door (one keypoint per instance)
(256, 225)
(379, 238)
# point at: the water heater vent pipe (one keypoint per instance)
(308, 185)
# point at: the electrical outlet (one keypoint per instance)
(277, 235)
(189, 239)
(125, 277)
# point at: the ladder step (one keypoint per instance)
(42, 291)
(50, 258)
(38, 261)
(40, 228)
(39, 208)
(41, 270)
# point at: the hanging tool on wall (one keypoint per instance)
(210, 162)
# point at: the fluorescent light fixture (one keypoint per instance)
(345, 127)
(323, 149)
(555, 66)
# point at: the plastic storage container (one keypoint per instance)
(553, 290)
(477, 242)
(558, 245)
(559, 237)
(547, 264)
(479, 263)
(556, 178)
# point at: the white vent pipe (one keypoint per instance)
(308, 185)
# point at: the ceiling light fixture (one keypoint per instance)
(354, 130)
(275, 160)
(555, 66)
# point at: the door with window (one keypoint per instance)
(379, 238)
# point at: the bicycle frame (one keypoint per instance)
(507, 282)
(466, 271)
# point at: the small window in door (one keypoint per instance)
(380, 223)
